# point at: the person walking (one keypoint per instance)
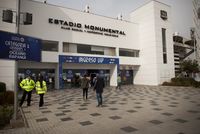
(85, 85)
(118, 82)
(98, 87)
(41, 89)
(27, 85)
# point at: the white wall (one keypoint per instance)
(7, 67)
(10, 5)
(147, 73)
(165, 71)
(129, 60)
(7, 73)
(42, 29)
(152, 70)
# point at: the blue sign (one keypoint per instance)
(87, 60)
(19, 47)
(69, 74)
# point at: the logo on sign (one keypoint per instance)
(100, 60)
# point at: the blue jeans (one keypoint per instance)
(99, 98)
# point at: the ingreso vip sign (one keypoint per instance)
(19, 47)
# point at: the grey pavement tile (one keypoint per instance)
(193, 101)
(83, 105)
(61, 103)
(95, 114)
(198, 118)
(46, 111)
(66, 119)
(113, 108)
(66, 111)
(83, 109)
(131, 111)
(123, 103)
(138, 107)
(41, 120)
(60, 114)
(166, 100)
(172, 105)
(137, 102)
(186, 97)
(77, 103)
(157, 109)
(154, 104)
(41, 108)
(129, 129)
(112, 102)
(193, 111)
(61, 108)
(180, 120)
(85, 123)
(124, 99)
(167, 114)
(115, 117)
(66, 105)
(156, 122)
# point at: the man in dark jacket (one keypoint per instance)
(99, 85)
(85, 85)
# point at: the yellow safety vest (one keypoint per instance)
(27, 84)
(40, 90)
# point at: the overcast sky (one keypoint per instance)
(181, 10)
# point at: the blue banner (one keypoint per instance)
(87, 60)
(19, 47)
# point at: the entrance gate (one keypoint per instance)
(83, 60)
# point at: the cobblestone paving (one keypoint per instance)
(134, 109)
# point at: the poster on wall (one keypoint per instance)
(19, 47)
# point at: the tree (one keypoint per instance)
(189, 66)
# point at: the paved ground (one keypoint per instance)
(134, 109)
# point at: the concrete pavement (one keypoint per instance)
(134, 109)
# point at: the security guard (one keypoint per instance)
(27, 85)
(41, 89)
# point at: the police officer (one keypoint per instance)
(27, 85)
(41, 89)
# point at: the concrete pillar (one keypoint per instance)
(57, 76)
(113, 75)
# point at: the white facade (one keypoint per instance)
(196, 23)
(7, 67)
(150, 25)
(143, 33)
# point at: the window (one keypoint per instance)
(49, 45)
(65, 47)
(88, 49)
(164, 46)
(128, 52)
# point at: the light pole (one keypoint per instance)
(16, 65)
